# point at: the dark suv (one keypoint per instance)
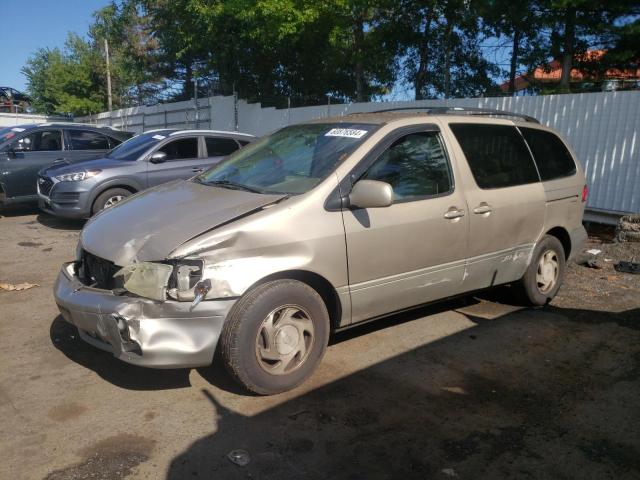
(26, 149)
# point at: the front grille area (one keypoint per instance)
(45, 184)
(65, 197)
(98, 272)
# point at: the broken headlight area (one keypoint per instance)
(146, 279)
(175, 279)
(186, 275)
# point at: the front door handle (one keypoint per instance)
(453, 213)
(197, 170)
(483, 208)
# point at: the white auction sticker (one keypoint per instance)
(17, 129)
(159, 137)
(345, 132)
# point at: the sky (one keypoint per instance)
(33, 24)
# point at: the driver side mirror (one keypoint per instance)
(158, 157)
(371, 194)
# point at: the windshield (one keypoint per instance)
(291, 161)
(136, 146)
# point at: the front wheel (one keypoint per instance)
(545, 273)
(109, 198)
(275, 336)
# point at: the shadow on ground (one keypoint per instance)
(546, 393)
(60, 223)
(18, 210)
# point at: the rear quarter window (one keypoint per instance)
(497, 155)
(550, 153)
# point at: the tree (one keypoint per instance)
(441, 53)
(67, 81)
(133, 52)
(576, 25)
(522, 23)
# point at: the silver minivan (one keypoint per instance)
(318, 227)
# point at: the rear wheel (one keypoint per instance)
(545, 273)
(109, 198)
(275, 336)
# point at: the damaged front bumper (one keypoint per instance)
(141, 331)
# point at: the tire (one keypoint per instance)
(263, 339)
(105, 199)
(533, 285)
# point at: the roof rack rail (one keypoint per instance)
(463, 110)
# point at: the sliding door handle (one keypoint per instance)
(483, 208)
(453, 213)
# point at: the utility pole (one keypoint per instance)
(195, 101)
(106, 51)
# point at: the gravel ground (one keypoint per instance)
(472, 388)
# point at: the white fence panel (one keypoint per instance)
(13, 119)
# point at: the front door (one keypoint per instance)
(413, 251)
(30, 153)
(506, 202)
(182, 161)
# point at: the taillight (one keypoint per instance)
(585, 193)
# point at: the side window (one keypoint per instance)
(415, 166)
(220, 147)
(88, 140)
(40, 141)
(497, 155)
(550, 153)
(180, 149)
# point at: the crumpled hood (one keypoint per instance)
(151, 224)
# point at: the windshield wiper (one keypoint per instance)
(230, 184)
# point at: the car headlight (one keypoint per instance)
(77, 176)
(147, 279)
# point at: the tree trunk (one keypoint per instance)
(568, 47)
(358, 36)
(514, 61)
(447, 60)
(420, 79)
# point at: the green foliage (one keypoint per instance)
(305, 50)
(67, 81)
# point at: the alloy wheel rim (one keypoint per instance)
(547, 273)
(284, 340)
(111, 201)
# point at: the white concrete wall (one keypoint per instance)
(12, 119)
(603, 128)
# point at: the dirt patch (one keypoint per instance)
(30, 244)
(150, 416)
(110, 459)
(66, 411)
(602, 289)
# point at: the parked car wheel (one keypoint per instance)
(545, 273)
(275, 336)
(109, 198)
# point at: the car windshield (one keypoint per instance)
(290, 161)
(136, 146)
